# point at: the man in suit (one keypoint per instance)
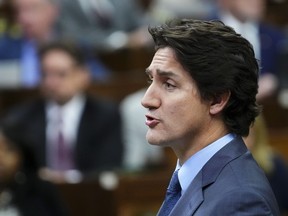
(246, 17)
(201, 100)
(36, 20)
(70, 131)
(104, 24)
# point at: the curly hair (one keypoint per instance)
(219, 60)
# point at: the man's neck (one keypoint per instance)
(185, 151)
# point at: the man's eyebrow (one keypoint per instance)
(162, 73)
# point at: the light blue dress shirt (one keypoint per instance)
(30, 74)
(195, 163)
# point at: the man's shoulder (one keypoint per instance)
(239, 184)
(100, 105)
(25, 111)
(234, 167)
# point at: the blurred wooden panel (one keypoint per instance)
(127, 59)
(135, 195)
(279, 141)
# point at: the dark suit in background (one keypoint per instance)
(98, 142)
(69, 130)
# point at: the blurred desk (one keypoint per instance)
(134, 195)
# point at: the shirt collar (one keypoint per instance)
(230, 20)
(195, 163)
(76, 103)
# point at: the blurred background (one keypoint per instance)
(72, 75)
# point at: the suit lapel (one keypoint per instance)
(83, 131)
(38, 132)
(193, 197)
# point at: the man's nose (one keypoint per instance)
(151, 99)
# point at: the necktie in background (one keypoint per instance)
(64, 153)
(172, 195)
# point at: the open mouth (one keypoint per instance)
(151, 121)
(149, 118)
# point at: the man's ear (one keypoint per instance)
(219, 102)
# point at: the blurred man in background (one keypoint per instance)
(246, 17)
(72, 133)
(36, 19)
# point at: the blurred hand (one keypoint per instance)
(60, 177)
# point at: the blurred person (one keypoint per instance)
(22, 192)
(138, 155)
(162, 10)
(73, 133)
(201, 101)
(283, 75)
(246, 17)
(104, 24)
(36, 19)
(273, 164)
(37, 22)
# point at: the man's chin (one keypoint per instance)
(152, 140)
(156, 141)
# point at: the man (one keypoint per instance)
(70, 130)
(36, 19)
(201, 100)
(246, 17)
(105, 24)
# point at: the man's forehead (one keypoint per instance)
(163, 59)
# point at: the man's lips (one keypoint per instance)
(151, 121)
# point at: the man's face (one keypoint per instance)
(61, 77)
(36, 17)
(176, 114)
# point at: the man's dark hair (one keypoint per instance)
(219, 60)
(68, 47)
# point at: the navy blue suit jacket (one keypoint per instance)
(230, 183)
(271, 40)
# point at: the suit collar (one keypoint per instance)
(214, 166)
(193, 197)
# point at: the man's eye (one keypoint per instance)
(149, 81)
(169, 86)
